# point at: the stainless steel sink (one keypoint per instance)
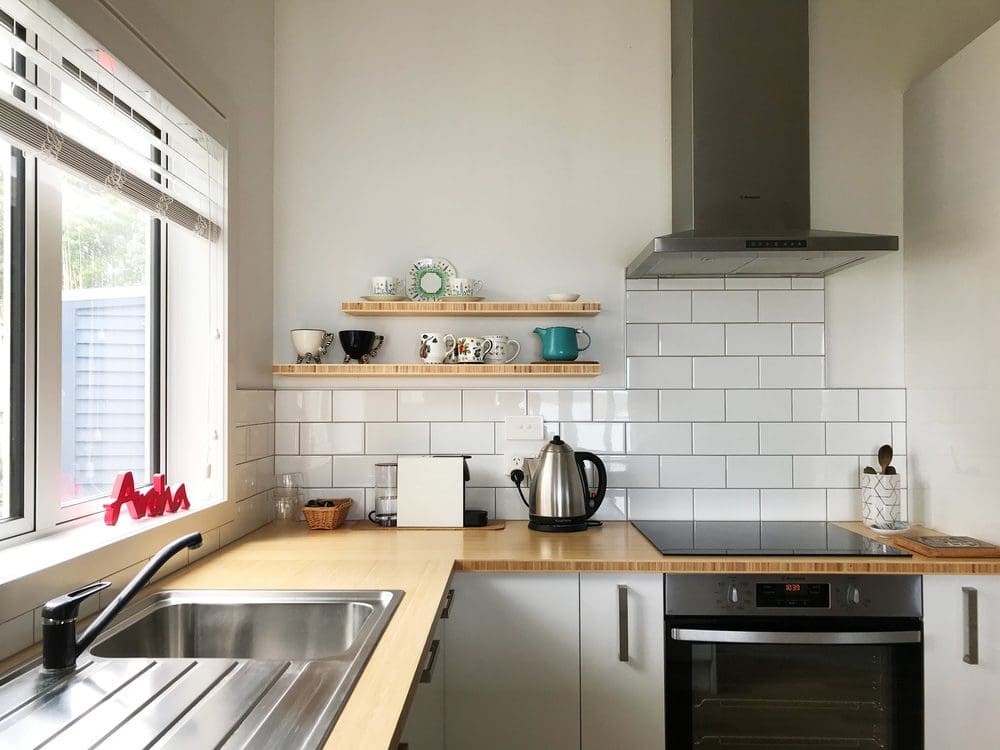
(293, 626)
(226, 669)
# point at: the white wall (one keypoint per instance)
(952, 306)
(524, 141)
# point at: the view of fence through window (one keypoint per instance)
(106, 254)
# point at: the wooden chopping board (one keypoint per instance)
(946, 546)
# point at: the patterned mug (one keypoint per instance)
(503, 351)
(384, 286)
(472, 349)
(463, 287)
(436, 348)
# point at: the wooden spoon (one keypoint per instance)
(884, 456)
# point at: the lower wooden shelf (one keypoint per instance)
(533, 369)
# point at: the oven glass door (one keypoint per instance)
(785, 683)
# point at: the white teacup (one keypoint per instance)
(463, 287)
(311, 344)
(436, 348)
(503, 349)
(472, 349)
(384, 286)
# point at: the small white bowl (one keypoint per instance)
(563, 297)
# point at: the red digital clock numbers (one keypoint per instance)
(793, 587)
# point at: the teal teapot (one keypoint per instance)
(559, 343)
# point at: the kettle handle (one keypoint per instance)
(593, 500)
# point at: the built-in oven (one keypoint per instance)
(771, 661)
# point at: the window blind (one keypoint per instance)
(66, 100)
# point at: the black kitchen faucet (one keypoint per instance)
(60, 646)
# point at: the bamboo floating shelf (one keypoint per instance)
(471, 309)
(533, 369)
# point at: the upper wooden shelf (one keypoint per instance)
(471, 309)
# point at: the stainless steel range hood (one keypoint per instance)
(740, 144)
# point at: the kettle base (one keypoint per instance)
(557, 524)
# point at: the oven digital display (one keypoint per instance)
(793, 594)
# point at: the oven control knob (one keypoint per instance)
(734, 594)
(853, 594)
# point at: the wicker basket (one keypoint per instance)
(328, 518)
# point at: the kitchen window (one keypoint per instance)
(113, 278)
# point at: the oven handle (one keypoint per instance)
(793, 638)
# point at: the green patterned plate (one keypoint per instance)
(427, 279)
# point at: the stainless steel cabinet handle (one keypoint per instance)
(428, 672)
(970, 615)
(792, 637)
(622, 622)
(446, 612)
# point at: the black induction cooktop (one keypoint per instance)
(761, 538)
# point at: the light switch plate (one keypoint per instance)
(523, 428)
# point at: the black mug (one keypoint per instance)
(360, 345)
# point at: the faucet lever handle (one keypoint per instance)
(67, 606)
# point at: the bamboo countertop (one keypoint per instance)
(286, 555)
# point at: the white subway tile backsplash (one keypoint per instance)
(357, 471)
(683, 339)
(758, 338)
(724, 307)
(899, 437)
(657, 307)
(848, 438)
(882, 405)
(790, 438)
(727, 505)
(329, 438)
(239, 444)
(364, 406)
(660, 505)
(792, 372)
(658, 372)
(641, 339)
(302, 406)
(726, 372)
(724, 438)
(509, 505)
(808, 339)
(252, 406)
(758, 406)
(315, 470)
(843, 505)
(658, 438)
(596, 437)
(625, 406)
(632, 471)
(490, 406)
(462, 437)
(759, 471)
(693, 283)
(692, 406)
(826, 471)
(429, 406)
(793, 505)
(397, 437)
(553, 406)
(795, 306)
(286, 438)
(481, 498)
(692, 471)
(828, 405)
(743, 282)
(614, 507)
(488, 471)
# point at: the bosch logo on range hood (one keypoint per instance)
(740, 138)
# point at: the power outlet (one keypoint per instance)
(523, 428)
(514, 461)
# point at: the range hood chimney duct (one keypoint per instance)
(740, 140)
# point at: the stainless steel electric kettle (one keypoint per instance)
(561, 499)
